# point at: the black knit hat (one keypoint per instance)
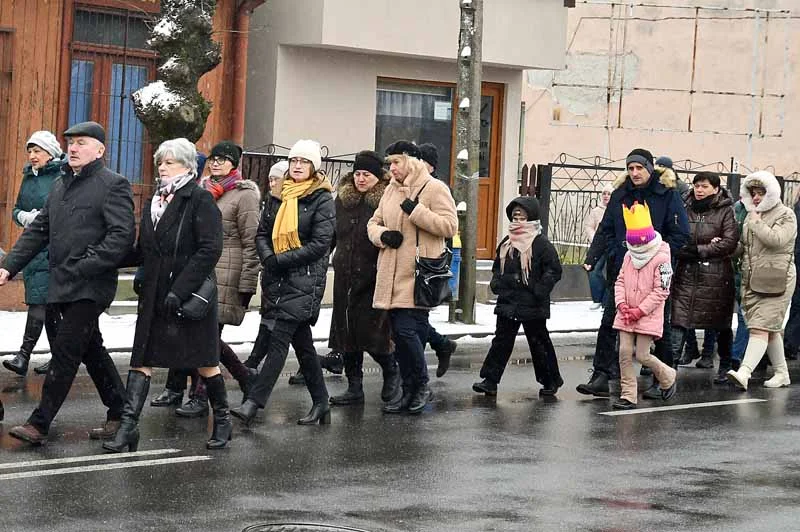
(429, 154)
(529, 204)
(403, 146)
(229, 150)
(370, 161)
(641, 156)
(87, 129)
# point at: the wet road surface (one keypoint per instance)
(469, 463)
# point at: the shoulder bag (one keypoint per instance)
(431, 276)
(196, 307)
(768, 281)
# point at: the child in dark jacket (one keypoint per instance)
(525, 271)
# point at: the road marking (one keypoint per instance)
(90, 458)
(680, 407)
(102, 467)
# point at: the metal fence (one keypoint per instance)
(571, 187)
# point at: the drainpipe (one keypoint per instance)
(241, 31)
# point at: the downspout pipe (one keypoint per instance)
(241, 33)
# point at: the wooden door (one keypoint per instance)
(489, 168)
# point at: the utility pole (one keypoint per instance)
(468, 133)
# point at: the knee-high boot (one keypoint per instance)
(777, 357)
(135, 396)
(223, 427)
(392, 384)
(752, 356)
(33, 329)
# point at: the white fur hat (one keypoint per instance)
(47, 141)
(309, 150)
(279, 169)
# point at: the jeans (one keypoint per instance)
(742, 335)
(597, 281)
(78, 340)
(709, 339)
(410, 331)
(298, 334)
(724, 337)
(437, 341)
(545, 363)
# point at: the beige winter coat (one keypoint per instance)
(238, 267)
(767, 242)
(435, 216)
(592, 221)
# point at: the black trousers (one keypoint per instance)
(545, 363)
(606, 352)
(78, 340)
(298, 334)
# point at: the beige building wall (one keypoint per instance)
(732, 92)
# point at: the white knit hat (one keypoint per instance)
(307, 149)
(279, 169)
(47, 141)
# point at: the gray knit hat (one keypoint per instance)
(46, 141)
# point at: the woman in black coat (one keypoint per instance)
(357, 326)
(523, 298)
(180, 242)
(294, 240)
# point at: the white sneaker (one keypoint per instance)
(779, 380)
(596, 306)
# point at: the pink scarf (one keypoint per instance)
(520, 237)
(218, 188)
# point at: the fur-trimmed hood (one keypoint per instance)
(770, 183)
(347, 192)
(666, 176)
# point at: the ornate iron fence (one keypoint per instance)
(571, 187)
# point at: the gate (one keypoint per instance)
(571, 187)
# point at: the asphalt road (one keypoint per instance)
(469, 463)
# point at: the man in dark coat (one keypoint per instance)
(669, 218)
(88, 223)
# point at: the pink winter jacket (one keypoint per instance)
(647, 289)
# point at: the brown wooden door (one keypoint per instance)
(489, 184)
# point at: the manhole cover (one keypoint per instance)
(299, 527)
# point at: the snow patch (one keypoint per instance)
(157, 94)
(165, 28)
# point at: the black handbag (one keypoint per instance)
(432, 277)
(196, 307)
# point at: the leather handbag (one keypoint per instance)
(199, 302)
(432, 277)
(769, 281)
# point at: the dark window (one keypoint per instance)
(97, 27)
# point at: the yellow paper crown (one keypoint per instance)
(637, 216)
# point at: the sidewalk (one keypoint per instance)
(571, 323)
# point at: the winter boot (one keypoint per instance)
(752, 356)
(319, 413)
(197, 405)
(392, 388)
(776, 356)
(223, 426)
(421, 397)
(19, 364)
(706, 361)
(297, 378)
(43, 369)
(444, 355)
(353, 364)
(334, 362)
(597, 385)
(135, 396)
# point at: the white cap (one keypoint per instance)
(47, 141)
(307, 149)
(279, 169)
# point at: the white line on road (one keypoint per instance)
(91, 458)
(680, 407)
(101, 467)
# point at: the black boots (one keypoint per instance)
(297, 378)
(444, 355)
(597, 385)
(319, 413)
(485, 387)
(135, 396)
(43, 369)
(247, 412)
(167, 398)
(223, 427)
(392, 388)
(197, 405)
(333, 362)
(353, 367)
(19, 364)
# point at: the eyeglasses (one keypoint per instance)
(217, 160)
(299, 160)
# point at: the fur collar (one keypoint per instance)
(773, 197)
(350, 196)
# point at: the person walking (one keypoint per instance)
(668, 215)
(791, 340)
(355, 325)
(768, 276)
(597, 279)
(294, 240)
(525, 271)
(414, 217)
(89, 224)
(180, 242)
(640, 290)
(703, 289)
(45, 161)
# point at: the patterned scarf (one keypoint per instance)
(285, 234)
(167, 186)
(520, 237)
(218, 187)
(641, 255)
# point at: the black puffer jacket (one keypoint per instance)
(294, 293)
(88, 223)
(515, 299)
(703, 288)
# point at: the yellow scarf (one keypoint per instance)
(284, 232)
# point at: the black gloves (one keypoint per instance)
(172, 303)
(245, 298)
(393, 239)
(408, 206)
(271, 264)
(689, 251)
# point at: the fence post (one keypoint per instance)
(544, 174)
(734, 182)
